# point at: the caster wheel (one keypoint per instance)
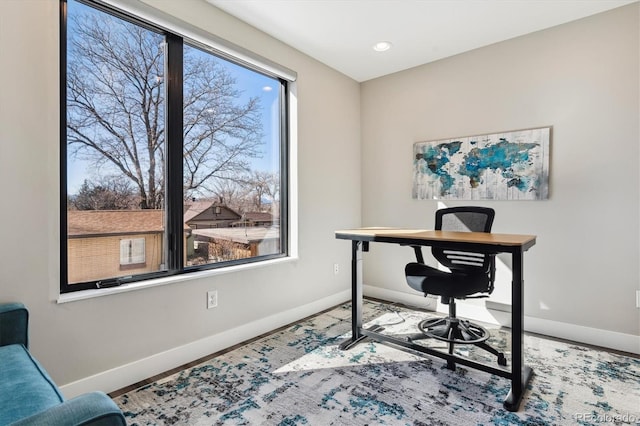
(502, 360)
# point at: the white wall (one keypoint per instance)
(582, 79)
(127, 336)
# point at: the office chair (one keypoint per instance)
(472, 275)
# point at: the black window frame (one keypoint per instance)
(174, 225)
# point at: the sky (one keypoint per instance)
(249, 82)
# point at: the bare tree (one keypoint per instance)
(220, 136)
(230, 192)
(109, 194)
(116, 107)
(265, 187)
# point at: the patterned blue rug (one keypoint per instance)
(298, 376)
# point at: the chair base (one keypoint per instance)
(453, 330)
(456, 331)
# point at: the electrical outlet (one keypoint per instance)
(212, 299)
(336, 268)
(637, 298)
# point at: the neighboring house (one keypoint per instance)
(219, 233)
(204, 215)
(238, 243)
(114, 243)
(255, 219)
(209, 214)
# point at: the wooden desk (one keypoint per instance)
(471, 241)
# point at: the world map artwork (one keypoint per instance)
(502, 166)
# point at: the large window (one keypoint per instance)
(173, 156)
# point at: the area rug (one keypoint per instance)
(299, 376)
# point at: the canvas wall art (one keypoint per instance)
(502, 166)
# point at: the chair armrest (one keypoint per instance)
(95, 409)
(14, 324)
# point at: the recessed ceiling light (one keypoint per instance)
(381, 46)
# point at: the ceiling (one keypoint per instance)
(341, 33)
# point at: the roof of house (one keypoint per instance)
(105, 222)
(205, 211)
(240, 235)
(258, 216)
(119, 222)
(194, 208)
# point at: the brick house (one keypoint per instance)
(114, 243)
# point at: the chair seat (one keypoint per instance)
(430, 280)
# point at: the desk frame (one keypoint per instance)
(468, 241)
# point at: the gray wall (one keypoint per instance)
(582, 79)
(79, 339)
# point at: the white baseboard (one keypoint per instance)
(128, 374)
(501, 315)
(415, 299)
(577, 333)
(125, 375)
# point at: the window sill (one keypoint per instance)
(90, 294)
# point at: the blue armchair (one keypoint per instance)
(28, 396)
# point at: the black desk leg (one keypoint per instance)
(356, 300)
(520, 374)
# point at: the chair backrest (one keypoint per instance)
(465, 219)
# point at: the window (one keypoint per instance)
(173, 153)
(132, 252)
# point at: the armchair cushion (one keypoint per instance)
(94, 408)
(26, 388)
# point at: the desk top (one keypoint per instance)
(428, 237)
